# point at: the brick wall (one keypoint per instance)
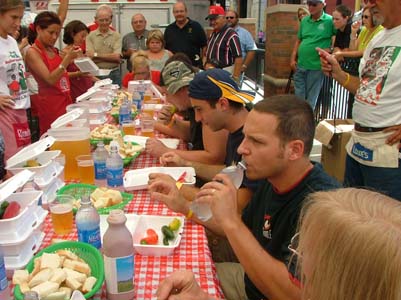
(281, 31)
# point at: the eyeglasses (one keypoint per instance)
(294, 244)
(230, 18)
(365, 16)
(295, 255)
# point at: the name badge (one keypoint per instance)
(362, 152)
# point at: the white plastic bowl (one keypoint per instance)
(156, 222)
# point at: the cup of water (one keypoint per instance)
(236, 174)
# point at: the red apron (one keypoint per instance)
(52, 99)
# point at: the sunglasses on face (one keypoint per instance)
(230, 18)
(365, 16)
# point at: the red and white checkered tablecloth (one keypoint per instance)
(192, 253)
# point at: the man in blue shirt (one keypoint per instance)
(248, 45)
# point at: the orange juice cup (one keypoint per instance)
(86, 169)
(147, 127)
(128, 127)
(61, 214)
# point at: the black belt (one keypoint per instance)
(360, 128)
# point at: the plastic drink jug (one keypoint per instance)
(118, 255)
(72, 141)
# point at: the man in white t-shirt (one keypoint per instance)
(373, 158)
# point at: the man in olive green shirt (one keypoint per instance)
(316, 30)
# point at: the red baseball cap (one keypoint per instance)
(215, 11)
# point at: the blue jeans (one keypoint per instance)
(384, 180)
(114, 75)
(307, 84)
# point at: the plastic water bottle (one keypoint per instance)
(114, 168)
(4, 289)
(125, 111)
(87, 220)
(236, 174)
(99, 158)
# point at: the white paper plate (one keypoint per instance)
(141, 140)
(138, 179)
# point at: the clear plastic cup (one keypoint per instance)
(86, 169)
(128, 127)
(61, 214)
(147, 127)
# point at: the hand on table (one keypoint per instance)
(222, 198)
(172, 159)
(6, 102)
(155, 148)
(162, 187)
(180, 285)
(395, 137)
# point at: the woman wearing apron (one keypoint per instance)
(14, 96)
(49, 68)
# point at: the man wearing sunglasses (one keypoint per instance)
(373, 158)
(316, 30)
(248, 45)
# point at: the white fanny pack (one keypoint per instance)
(370, 149)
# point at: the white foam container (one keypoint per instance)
(25, 252)
(138, 179)
(49, 175)
(155, 222)
(141, 140)
(97, 106)
(19, 228)
(45, 159)
(138, 224)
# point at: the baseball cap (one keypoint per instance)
(214, 11)
(215, 83)
(316, 1)
(176, 75)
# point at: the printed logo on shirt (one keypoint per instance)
(362, 152)
(22, 134)
(374, 74)
(267, 232)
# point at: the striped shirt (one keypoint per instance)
(224, 46)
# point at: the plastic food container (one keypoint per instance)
(138, 179)
(98, 106)
(35, 151)
(49, 175)
(25, 252)
(67, 118)
(138, 224)
(155, 222)
(17, 229)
